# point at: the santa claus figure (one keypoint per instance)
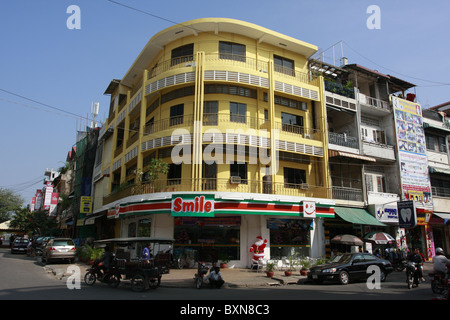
(258, 249)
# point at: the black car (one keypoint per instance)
(349, 266)
(19, 245)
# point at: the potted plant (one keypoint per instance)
(223, 263)
(306, 264)
(291, 261)
(270, 268)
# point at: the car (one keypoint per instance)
(59, 249)
(350, 267)
(19, 245)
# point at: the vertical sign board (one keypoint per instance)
(411, 148)
(406, 214)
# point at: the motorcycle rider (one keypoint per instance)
(417, 258)
(106, 259)
(440, 262)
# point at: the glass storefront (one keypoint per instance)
(289, 237)
(208, 239)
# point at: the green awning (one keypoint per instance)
(357, 216)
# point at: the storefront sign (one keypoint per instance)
(385, 213)
(191, 205)
(309, 209)
(406, 214)
(86, 205)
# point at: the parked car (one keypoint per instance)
(349, 267)
(19, 245)
(58, 249)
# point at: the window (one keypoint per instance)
(231, 51)
(283, 65)
(292, 123)
(436, 143)
(293, 178)
(174, 174)
(375, 183)
(238, 112)
(176, 114)
(209, 176)
(144, 228)
(182, 54)
(239, 170)
(210, 110)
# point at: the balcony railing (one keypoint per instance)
(343, 140)
(440, 192)
(221, 185)
(375, 103)
(349, 194)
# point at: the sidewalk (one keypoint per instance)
(184, 278)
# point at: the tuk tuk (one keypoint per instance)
(128, 260)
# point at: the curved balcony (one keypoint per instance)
(219, 185)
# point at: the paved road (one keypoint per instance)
(23, 278)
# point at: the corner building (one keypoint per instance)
(238, 105)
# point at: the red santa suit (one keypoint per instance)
(258, 249)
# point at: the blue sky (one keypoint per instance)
(44, 61)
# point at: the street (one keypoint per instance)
(24, 278)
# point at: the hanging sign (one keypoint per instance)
(406, 214)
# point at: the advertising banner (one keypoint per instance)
(412, 158)
(406, 214)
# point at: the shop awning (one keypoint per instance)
(333, 153)
(442, 215)
(438, 170)
(357, 216)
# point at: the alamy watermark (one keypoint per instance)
(74, 20)
(374, 20)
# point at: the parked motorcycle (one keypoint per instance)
(111, 277)
(412, 274)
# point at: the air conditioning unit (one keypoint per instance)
(190, 64)
(235, 179)
(304, 186)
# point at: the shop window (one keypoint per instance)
(132, 229)
(208, 239)
(289, 237)
(144, 228)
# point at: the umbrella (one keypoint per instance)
(347, 239)
(379, 238)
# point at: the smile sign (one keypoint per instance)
(192, 205)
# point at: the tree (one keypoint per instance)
(38, 222)
(9, 203)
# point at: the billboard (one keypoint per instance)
(411, 150)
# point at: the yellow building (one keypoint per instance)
(234, 111)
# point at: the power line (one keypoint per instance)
(404, 75)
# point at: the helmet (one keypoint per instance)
(439, 251)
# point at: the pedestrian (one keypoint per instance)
(215, 278)
(146, 254)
